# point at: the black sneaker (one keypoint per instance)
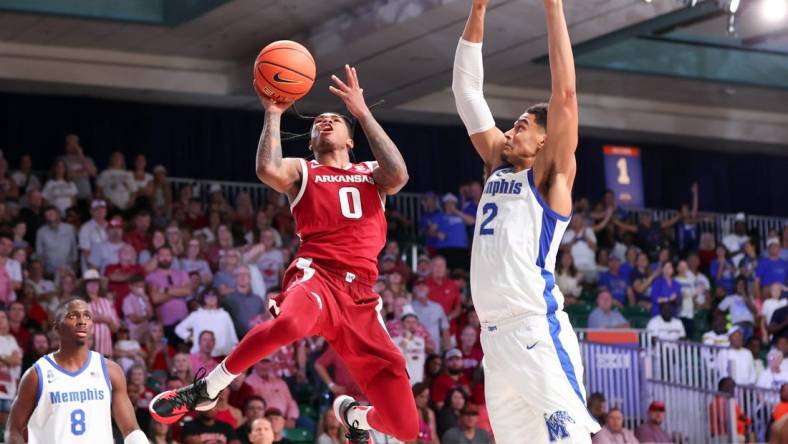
(342, 405)
(170, 406)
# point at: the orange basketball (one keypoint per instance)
(284, 71)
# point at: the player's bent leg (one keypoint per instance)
(299, 313)
(556, 361)
(378, 366)
(393, 409)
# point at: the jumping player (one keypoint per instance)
(71, 395)
(338, 208)
(533, 371)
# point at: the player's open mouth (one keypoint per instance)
(82, 333)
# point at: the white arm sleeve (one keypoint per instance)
(467, 85)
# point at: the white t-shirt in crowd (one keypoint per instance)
(140, 184)
(582, 254)
(9, 376)
(770, 306)
(415, 356)
(774, 381)
(14, 270)
(738, 364)
(218, 321)
(734, 242)
(59, 193)
(688, 292)
(719, 339)
(270, 265)
(667, 331)
(117, 186)
(737, 307)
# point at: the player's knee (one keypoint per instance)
(290, 328)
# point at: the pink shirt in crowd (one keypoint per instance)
(174, 310)
(102, 335)
(275, 393)
(197, 362)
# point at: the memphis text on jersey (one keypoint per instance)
(77, 396)
(503, 186)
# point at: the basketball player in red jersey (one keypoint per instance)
(338, 207)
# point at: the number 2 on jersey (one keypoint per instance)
(78, 422)
(492, 209)
(350, 202)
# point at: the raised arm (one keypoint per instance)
(391, 174)
(467, 86)
(283, 175)
(556, 167)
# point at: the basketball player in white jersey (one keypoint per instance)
(533, 372)
(71, 395)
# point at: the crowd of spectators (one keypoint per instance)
(176, 278)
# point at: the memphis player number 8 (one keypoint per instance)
(350, 202)
(78, 422)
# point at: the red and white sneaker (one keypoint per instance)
(170, 406)
(342, 405)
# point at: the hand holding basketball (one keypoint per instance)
(284, 71)
(351, 93)
(272, 106)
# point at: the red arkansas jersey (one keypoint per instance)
(340, 218)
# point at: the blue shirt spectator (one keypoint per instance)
(772, 269)
(470, 205)
(749, 262)
(664, 289)
(641, 279)
(615, 281)
(687, 237)
(629, 264)
(604, 315)
(451, 225)
(722, 271)
(428, 222)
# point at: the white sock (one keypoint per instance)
(357, 417)
(218, 379)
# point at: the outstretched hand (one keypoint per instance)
(350, 93)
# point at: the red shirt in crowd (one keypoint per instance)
(443, 383)
(239, 397)
(445, 292)
(342, 376)
(121, 289)
(35, 312)
(471, 360)
(22, 336)
(195, 223)
(140, 241)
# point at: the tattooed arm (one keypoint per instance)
(281, 174)
(391, 174)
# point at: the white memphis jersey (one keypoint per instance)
(72, 407)
(514, 249)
